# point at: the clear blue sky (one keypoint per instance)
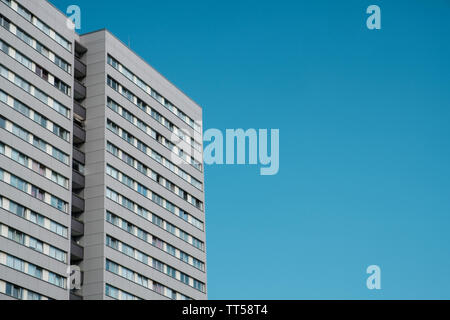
(364, 135)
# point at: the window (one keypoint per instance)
(16, 236)
(56, 279)
(158, 243)
(40, 120)
(170, 228)
(184, 278)
(158, 288)
(170, 249)
(57, 254)
(142, 234)
(127, 273)
(19, 157)
(143, 281)
(199, 265)
(158, 265)
(33, 296)
(58, 229)
(126, 249)
(142, 190)
(128, 181)
(142, 257)
(14, 291)
(198, 285)
(197, 243)
(17, 209)
(40, 144)
(184, 236)
(171, 272)
(58, 203)
(34, 271)
(37, 193)
(184, 257)
(157, 220)
(113, 243)
(18, 183)
(111, 266)
(111, 292)
(36, 245)
(128, 204)
(15, 263)
(112, 195)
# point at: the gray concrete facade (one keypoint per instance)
(134, 215)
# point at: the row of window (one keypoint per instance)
(153, 93)
(154, 263)
(125, 135)
(142, 168)
(39, 24)
(34, 140)
(32, 270)
(33, 191)
(143, 281)
(182, 134)
(34, 115)
(31, 65)
(153, 134)
(118, 294)
(154, 241)
(153, 218)
(32, 243)
(35, 92)
(14, 291)
(154, 197)
(36, 45)
(32, 164)
(33, 217)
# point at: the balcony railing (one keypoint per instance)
(76, 252)
(78, 180)
(79, 134)
(80, 69)
(79, 110)
(77, 228)
(77, 204)
(79, 91)
(79, 156)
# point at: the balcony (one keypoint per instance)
(80, 50)
(80, 69)
(78, 180)
(79, 111)
(74, 296)
(76, 252)
(79, 134)
(79, 91)
(79, 156)
(77, 204)
(77, 228)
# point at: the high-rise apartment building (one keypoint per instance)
(97, 171)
